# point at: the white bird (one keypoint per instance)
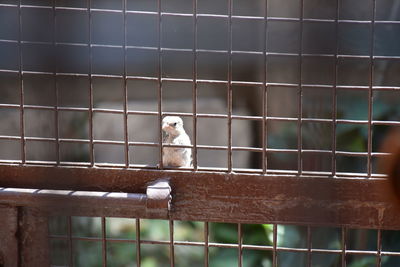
(175, 134)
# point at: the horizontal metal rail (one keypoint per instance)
(202, 196)
(155, 202)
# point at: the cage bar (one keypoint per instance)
(90, 91)
(300, 95)
(344, 246)
(138, 242)
(229, 86)
(264, 136)
(194, 87)
(171, 244)
(226, 194)
(56, 96)
(160, 84)
(334, 92)
(125, 85)
(274, 244)
(103, 241)
(370, 91)
(21, 84)
(206, 244)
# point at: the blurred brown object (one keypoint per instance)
(391, 164)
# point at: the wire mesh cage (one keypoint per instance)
(267, 85)
(268, 89)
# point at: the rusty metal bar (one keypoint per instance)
(209, 147)
(188, 14)
(370, 91)
(300, 95)
(334, 92)
(277, 172)
(229, 86)
(201, 115)
(160, 84)
(202, 15)
(264, 135)
(9, 254)
(309, 247)
(33, 241)
(21, 84)
(125, 84)
(244, 52)
(206, 244)
(70, 242)
(80, 203)
(240, 244)
(379, 248)
(56, 95)
(344, 245)
(103, 241)
(205, 115)
(138, 243)
(274, 245)
(250, 198)
(171, 244)
(194, 87)
(91, 145)
(235, 246)
(321, 86)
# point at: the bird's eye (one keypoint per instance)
(174, 124)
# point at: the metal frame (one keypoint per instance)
(236, 198)
(229, 82)
(345, 200)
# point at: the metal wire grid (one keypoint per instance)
(309, 251)
(300, 120)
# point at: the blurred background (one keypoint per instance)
(121, 246)
(56, 40)
(41, 40)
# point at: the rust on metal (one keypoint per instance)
(154, 204)
(203, 196)
(8, 236)
(33, 237)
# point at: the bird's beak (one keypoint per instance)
(165, 126)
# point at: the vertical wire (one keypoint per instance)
(240, 245)
(138, 260)
(56, 124)
(300, 95)
(125, 90)
(103, 241)
(344, 244)
(370, 91)
(264, 96)
(309, 246)
(70, 246)
(194, 93)
(274, 245)
(379, 248)
(229, 89)
(334, 92)
(160, 95)
(91, 146)
(206, 245)
(21, 84)
(171, 244)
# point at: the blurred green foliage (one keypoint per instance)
(121, 244)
